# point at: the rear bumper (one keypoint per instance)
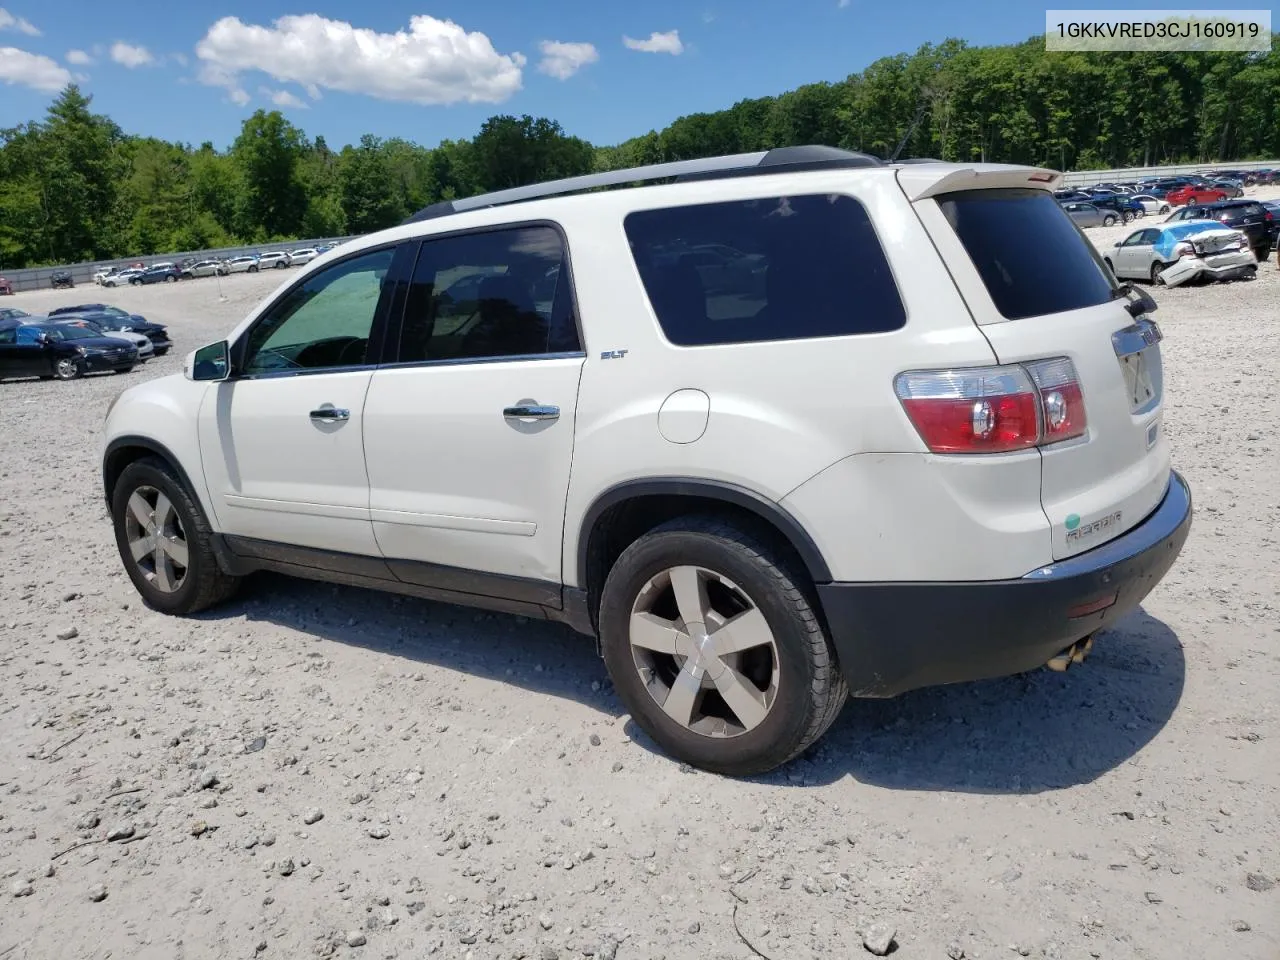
(895, 637)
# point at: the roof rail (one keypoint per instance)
(777, 160)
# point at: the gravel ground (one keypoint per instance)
(317, 771)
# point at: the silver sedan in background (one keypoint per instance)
(1087, 215)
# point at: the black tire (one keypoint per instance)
(204, 584)
(280, 264)
(171, 279)
(1157, 269)
(135, 283)
(811, 690)
(253, 269)
(1109, 220)
(1126, 217)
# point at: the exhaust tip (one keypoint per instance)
(1073, 654)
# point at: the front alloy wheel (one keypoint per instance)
(68, 368)
(164, 540)
(157, 540)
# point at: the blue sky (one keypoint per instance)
(193, 71)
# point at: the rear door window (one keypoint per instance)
(777, 268)
(1031, 256)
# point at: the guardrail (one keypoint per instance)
(39, 278)
(1081, 178)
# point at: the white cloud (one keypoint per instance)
(562, 60)
(32, 70)
(79, 58)
(129, 55)
(9, 22)
(433, 62)
(313, 91)
(658, 43)
(238, 97)
(282, 98)
(179, 58)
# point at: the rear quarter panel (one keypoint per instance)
(781, 412)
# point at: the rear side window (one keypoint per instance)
(1032, 257)
(780, 268)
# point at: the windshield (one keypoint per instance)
(1031, 256)
(69, 333)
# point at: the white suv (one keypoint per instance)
(797, 424)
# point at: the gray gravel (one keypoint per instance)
(455, 752)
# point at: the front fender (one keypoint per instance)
(159, 417)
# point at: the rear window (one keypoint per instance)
(1031, 256)
(778, 268)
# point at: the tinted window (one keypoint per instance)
(1033, 259)
(325, 321)
(779, 268)
(501, 293)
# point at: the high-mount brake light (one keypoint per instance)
(997, 409)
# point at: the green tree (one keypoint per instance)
(267, 155)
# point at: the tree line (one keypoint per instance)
(74, 186)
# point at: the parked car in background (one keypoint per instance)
(1232, 188)
(1257, 222)
(6, 288)
(204, 268)
(305, 255)
(12, 313)
(275, 258)
(121, 277)
(61, 279)
(1152, 204)
(50, 350)
(113, 318)
(1126, 207)
(1194, 194)
(1087, 215)
(167, 273)
(1176, 253)
(242, 265)
(146, 350)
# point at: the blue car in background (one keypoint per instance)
(1175, 253)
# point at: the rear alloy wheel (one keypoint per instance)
(1157, 272)
(1109, 220)
(164, 541)
(253, 269)
(171, 279)
(68, 368)
(713, 646)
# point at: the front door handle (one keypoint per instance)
(328, 413)
(531, 412)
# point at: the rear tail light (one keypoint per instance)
(994, 409)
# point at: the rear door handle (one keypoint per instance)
(531, 412)
(328, 413)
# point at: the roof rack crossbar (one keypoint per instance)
(763, 161)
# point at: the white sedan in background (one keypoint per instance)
(1151, 204)
(122, 277)
(305, 255)
(242, 265)
(275, 258)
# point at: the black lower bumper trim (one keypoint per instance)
(895, 637)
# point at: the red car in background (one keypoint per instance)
(1193, 194)
(5, 286)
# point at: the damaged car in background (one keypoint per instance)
(1178, 253)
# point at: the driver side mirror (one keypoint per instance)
(211, 363)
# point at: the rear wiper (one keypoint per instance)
(1140, 301)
